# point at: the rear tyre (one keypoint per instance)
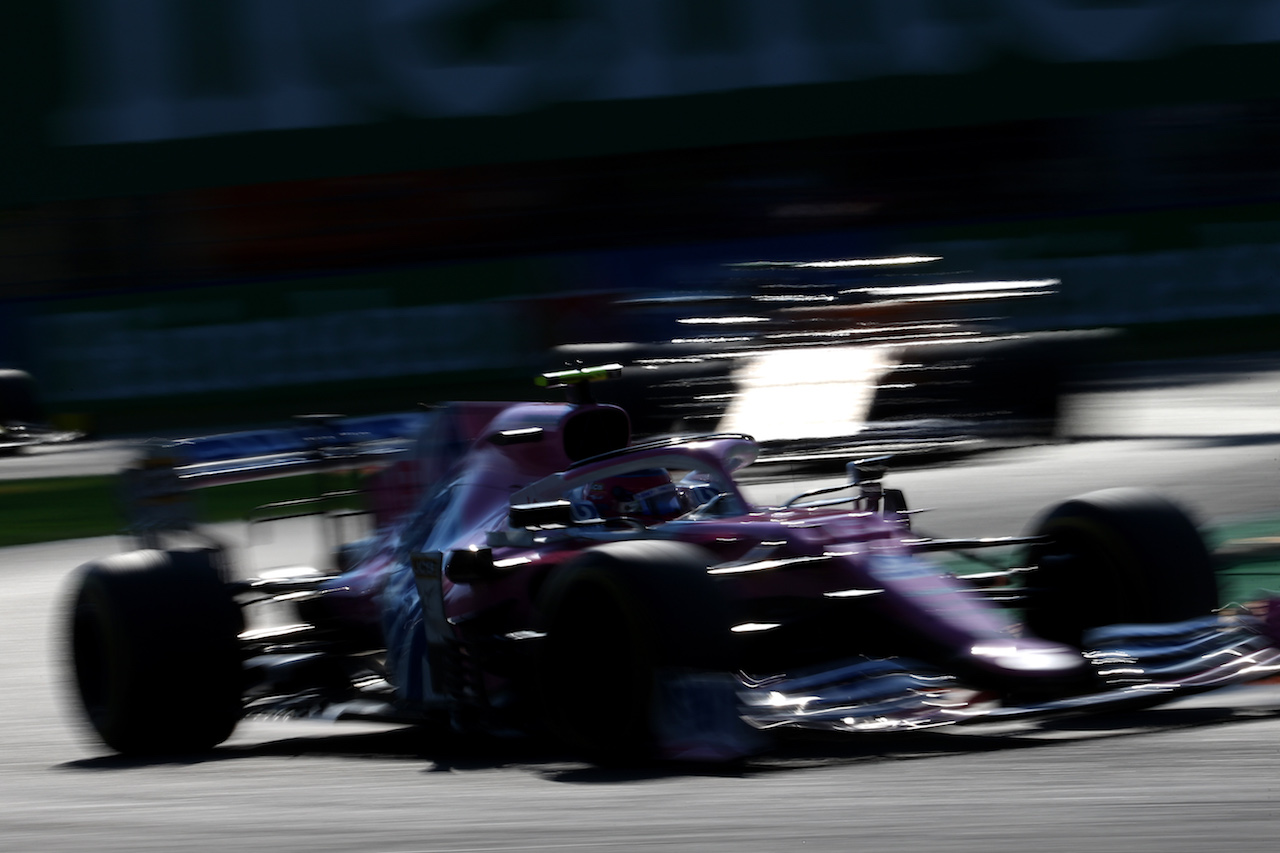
(18, 401)
(1117, 555)
(154, 651)
(617, 618)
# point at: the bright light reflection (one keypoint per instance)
(795, 298)
(781, 700)
(1262, 669)
(853, 263)
(852, 593)
(878, 724)
(721, 321)
(982, 339)
(956, 287)
(972, 297)
(1013, 657)
(733, 340)
(805, 393)
(764, 565)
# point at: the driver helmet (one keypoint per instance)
(648, 496)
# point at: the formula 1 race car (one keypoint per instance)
(531, 570)
(820, 360)
(22, 422)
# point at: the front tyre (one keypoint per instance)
(1117, 556)
(154, 651)
(618, 619)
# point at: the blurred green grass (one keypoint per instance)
(1248, 557)
(46, 510)
(58, 508)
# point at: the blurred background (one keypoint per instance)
(220, 212)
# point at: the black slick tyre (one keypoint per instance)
(154, 651)
(18, 401)
(616, 619)
(1117, 556)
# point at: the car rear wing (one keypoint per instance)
(315, 443)
(156, 487)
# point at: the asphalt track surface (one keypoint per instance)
(1200, 775)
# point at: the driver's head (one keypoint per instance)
(648, 496)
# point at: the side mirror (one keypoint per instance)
(868, 470)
